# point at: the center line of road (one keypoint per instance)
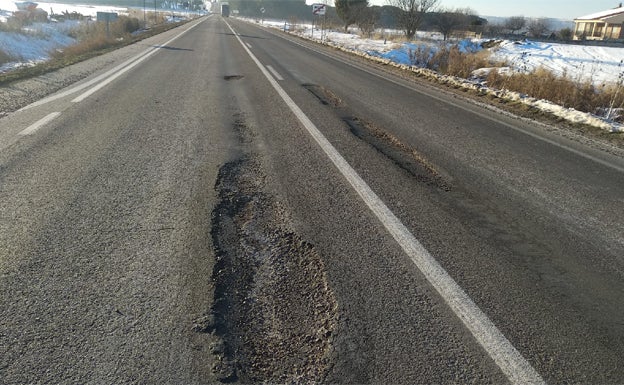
(504, 354)
(38, 124)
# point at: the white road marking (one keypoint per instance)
(248, 45)
(504, 354)
(128, 63)
(275, 73)
(127, 68)
(38, 124)
(468, 109)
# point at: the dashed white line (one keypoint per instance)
(248, 45)
(275, 73)
(38, 124)
(504, 354)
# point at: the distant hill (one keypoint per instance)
(116, 3)
(556, 24)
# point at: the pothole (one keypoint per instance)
(273, 308)
(409, 159)
(325, 96)
(233, 77)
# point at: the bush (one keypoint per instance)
(565, 34)
(463, 64)
(90, 45)
(4, 58)
(13, 24)
(128, 25)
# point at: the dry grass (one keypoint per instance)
(463, 64)
(543, 84)
(449, 60)
(389, 37)
(92, 41)
(582, 95)
(95, 37)
(94, 44)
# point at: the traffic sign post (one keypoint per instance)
(107, 17)
(319, 10)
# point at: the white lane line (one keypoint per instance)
(99, 78)
(504, 354)
(248, 45)
(275, 73)
(104, 83)
(469, 109)
(38, 124)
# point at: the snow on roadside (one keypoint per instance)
(35, 43)
(604, 64)
(599, 65)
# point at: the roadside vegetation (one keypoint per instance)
(92, 39)
(447, 56)
(605, 100)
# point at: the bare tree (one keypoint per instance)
(368, 19)
(449, 21)
(349, 10)
(566, 34)
(495, 30)
(412, 13)
(539, 27)
(515, 23)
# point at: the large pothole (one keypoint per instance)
(273, 308)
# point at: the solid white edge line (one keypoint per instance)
(80, 87)
(38, 124)
(275, 73)
(467, 109)
(498, 347)
(104, 83)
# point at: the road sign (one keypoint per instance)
(107, 16)
(319, 9)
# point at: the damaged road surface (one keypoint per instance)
(249, 207)
(273, 308)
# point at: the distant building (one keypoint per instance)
(28, 11)
(606, 25)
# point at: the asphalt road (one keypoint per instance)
(239, 205)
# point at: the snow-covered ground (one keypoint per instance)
(36, 41)
(7, 7)
(579, 62)
(598, 64)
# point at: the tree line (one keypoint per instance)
(408, 16)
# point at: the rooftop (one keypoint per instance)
(603, 14)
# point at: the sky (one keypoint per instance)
(556, 9)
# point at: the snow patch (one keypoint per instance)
(602, 65)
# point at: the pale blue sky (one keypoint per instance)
(558, 9)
